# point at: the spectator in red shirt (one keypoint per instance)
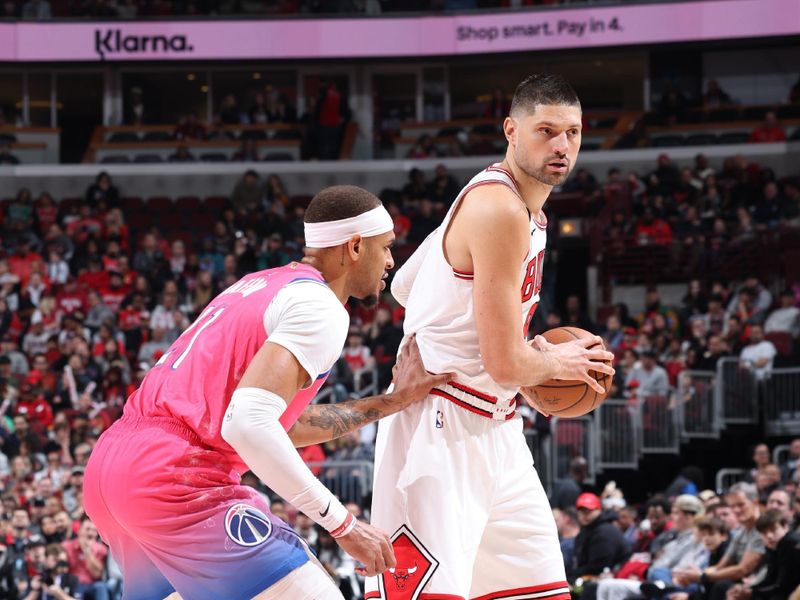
(653, 230)
(87, 555)
(331, 114)
(768, 131)
(72, 297)
(116, 291)
(402, 224)
(23, 262)
(313, 454)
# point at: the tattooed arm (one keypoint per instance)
(323, 422)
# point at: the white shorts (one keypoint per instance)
(466, 510)
(308, 582)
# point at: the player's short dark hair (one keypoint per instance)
(770, 520)
(340, 202)
(543, 88)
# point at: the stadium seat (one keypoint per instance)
(123, 137)
(201, 222)
(216, 203)
(300, 200)
(157, 136)
(9, 138)
(701, 139)
(67, 204)
(668, 141)
(781, 340)
(279, 157)
(734, 137)
(168, 221)
(214, 157)
(115, 159)
(795, 135)
(132, 204)
(187, 237)
(148, 158)
(187, 203)
(159, 204)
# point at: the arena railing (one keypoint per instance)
(365, 381)
(569, 439)
(697, 404)
(725, 478)
(660, 424)
(780, 454)
(618, 435)
(737, 391)
(349, 480)
(780, 394)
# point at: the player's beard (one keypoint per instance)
(543, 176)
(370, 300)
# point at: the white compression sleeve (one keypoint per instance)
(251, 427)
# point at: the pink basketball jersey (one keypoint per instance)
(194, 380)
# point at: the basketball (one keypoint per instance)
(563, 398)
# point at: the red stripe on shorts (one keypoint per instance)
(536, 591)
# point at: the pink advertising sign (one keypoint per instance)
(510, 31)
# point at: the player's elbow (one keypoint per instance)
(500, 368)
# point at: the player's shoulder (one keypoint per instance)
(494, 203)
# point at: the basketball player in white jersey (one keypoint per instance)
(454, 478)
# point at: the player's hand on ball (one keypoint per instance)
(369, 546)
(576, 359)
(411, 381)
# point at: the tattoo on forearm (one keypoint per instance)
(338, 419)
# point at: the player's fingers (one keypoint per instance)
(443, 378)
(599, 354)
(388, 555)
(601, 367)
(594, 384)
(539, 342)
(588, 342)
(379, 565)
(362, 571)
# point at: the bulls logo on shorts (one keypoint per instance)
(415, 567)
(246, 525)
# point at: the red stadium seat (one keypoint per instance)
(781, 340)
(131, 204)
(216, 203)
(160, 204)
(185, 203)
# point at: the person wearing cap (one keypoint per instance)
(600, 544)
(682, 551)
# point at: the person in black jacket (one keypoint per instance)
(783, 559)
(600, 543)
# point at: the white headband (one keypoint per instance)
(332, 233)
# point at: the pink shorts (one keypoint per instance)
(177, 519)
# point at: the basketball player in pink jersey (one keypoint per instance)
(232, 394)
(454, 478)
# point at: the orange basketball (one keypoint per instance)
(562, 398)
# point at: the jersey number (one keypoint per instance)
(532, 283)
(206, 318)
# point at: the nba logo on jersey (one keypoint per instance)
(439, 419)
(246, 525)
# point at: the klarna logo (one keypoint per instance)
(111, 42)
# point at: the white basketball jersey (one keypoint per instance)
(439, 307)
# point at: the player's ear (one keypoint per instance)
(510, 130)
(354, 247)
